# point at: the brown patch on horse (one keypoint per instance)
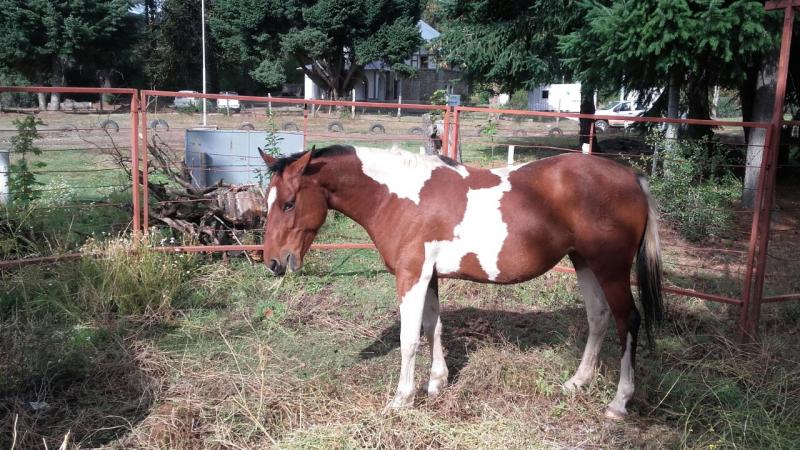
(481, 179)
(471, 268)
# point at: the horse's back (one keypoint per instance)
(565, 204)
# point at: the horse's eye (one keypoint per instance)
(288, 206)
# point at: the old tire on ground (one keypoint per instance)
(555, 131)
(377, 129)
(600, 126)
(417, 130)
(290, 126)
(159, 125)
(336, 127)
(247, 126)
(109, 125)
(519, 132)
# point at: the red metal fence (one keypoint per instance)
(732, 270)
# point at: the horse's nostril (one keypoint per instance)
(273, 265)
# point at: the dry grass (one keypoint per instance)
(244, 360)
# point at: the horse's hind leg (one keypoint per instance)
(598, 314)
(432, 325)
(626, 316)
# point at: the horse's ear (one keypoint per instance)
(298, 167)
(269, 160)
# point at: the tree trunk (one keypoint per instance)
(699, 107)
(105, 82)
(587, 107)
(762, 102)
(42, 101)
(673, 101)
(56, 79)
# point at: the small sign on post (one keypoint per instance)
(453, 100)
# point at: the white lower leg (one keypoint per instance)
(616, 408)
(432, 325)
(597, 313)
(411, 310)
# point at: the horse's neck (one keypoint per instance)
(351, 192)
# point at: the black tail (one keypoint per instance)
(648, 269)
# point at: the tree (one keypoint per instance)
(680, 45)
(330, 40)
(42, 40)
(513, 45)
(174, 58)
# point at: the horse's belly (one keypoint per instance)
(485, 260)
(477, 261)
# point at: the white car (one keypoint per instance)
(186, 102)
(228, 103)
(627, 109)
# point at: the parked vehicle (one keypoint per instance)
(186, 102)
(623, 108)
(231, 104)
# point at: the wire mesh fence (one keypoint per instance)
(201, 181)
(68, 172)
(697, 179)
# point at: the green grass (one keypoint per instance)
(309, 360)
(146, 350)
(82, 195)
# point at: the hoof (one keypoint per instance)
(397, 403)
(615, 414)
(572, 385)
(435, 388)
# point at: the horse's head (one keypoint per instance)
(296, 209)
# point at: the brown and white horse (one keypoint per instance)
(431, 218)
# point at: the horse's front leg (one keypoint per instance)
(412, 287)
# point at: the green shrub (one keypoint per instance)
(695, 191)
(22, 183)
(519, 100)
(129, 278)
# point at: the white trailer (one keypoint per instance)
(564, 97)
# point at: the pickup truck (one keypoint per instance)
(186, 102)
(231, 104)
(623, 108)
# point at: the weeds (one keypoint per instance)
(22, 183)
(695, 191)
(224, 356)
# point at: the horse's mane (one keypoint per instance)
(333, 150)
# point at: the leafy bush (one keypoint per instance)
(695, 192)
(22, 183)
(519, 100)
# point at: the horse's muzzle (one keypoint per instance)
(276, 267)
(279, 267)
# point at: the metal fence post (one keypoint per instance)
(305, 125)
(145, 153)
(135, 164)
(5, 174)
(454, 150)
(445, 131)
(751, 308)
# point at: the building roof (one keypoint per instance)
(427, 32)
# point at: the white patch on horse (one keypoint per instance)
(273, 194)
(482, 230)
(404, 173)
(412, 307)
